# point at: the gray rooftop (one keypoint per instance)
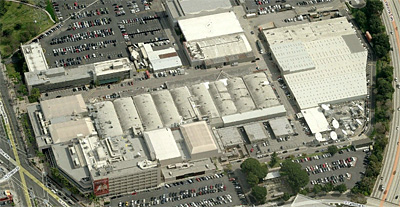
(127, 114)
(181, 98)
(147, 112)
(230, 136)
(240, 95)
(180, 8)
(260, 90)
(222, 98)
(106, 120)
(166, 108)
(281, 126)
(58, 75)
(256, 132)
(204, 101)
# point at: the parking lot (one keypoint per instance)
(95, 31)
(325, 167)
(219, 190)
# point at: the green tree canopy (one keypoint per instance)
(294, 175)
(332, 149)
(274, 159)
(35, 95)
(341, 188)
(317, 188)
(374, 7)
(259, 193)
(252, 179)
(328, 187)
(254, 166)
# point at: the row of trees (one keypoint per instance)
(296, 177)
(255, 172)
(368, 19)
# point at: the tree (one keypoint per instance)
(332, 149)
(252, 179)
(374, 7)
(3, 8)
(341, 188)
(274, 159)
(294, 175)
(259, 193)
(328, 187)
(286, 196)
(381, 44)
(252, 165)
(361, 19)
(317, 189)
(35, 95)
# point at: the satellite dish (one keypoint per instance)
(333, 135)
(335, 124)
(318, 137)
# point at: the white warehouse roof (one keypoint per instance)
(316, 120)
(210, 26)
(335, 51)
(166, 108)
(127, 114)
(162, 145)
(147, 112)
(163, 59)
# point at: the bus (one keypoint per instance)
(260, 46)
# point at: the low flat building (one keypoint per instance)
(96, 73)
(215, 40)
(199, 140)
(66, 131)
(256, 132)
(229, 136)
(281, 127)
(184, 170)
(64, 106)
(316, 120)
(162, 59)
(34, 57)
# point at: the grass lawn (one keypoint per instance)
(19, 24)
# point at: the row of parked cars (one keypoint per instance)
(315, 157)
(50, 31)
(83, 47)
(332, 179)
(219, 200)
(91, 23)
(94, 12)
(139, 20)
(305, 3)
(82, 36)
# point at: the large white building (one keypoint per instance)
(322, 62)
(215, 40)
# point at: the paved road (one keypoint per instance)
(388, 178)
